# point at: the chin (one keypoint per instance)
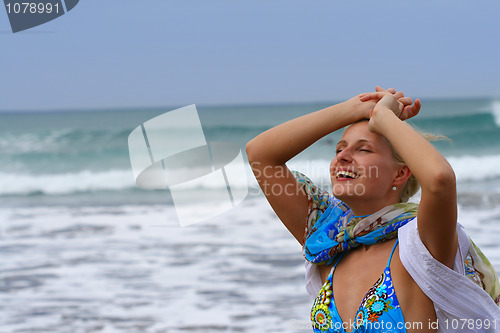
(348, 191)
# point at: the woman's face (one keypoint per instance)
(364, 165)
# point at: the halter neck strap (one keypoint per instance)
(392, 252)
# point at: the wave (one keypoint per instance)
(65, 183)
(495, 110)
(454, 119)
(62, 140)
(467, 168)
(476, 168)
(15, 184)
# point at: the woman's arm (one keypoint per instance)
(437, 213)
(269, 151)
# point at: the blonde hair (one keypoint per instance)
(412, 186)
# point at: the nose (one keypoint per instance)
(344, 156)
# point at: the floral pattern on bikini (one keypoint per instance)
(378, 300)
(320, 312)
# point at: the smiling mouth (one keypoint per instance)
(346, 174)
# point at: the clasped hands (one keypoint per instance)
(402, 106)
(382, 101)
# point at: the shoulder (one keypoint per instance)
(314, 192)
(319, 199)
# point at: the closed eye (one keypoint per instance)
(339, 149)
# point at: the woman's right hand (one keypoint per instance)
(402, 106)
(360, 109)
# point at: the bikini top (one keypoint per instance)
(379, 310)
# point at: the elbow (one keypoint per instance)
(442, 180)
(258, 156)
(250, 150)
(254, 153)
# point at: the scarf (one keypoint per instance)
(337, 230)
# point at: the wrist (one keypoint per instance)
(356, 110)
(380, 119)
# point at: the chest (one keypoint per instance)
(359, 269)
(360, 285)
(370, 281)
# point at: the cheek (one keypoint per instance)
(332, 167)
(381, 169)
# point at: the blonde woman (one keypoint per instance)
(375, 262)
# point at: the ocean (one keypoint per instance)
(86, 250)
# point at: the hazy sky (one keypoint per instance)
(123, 53)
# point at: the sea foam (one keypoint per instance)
(467, 168)
(495, 110)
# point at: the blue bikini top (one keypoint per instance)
(379, 310)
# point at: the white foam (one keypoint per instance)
(128, 271)
(88, 181)
(45, 142)
(495, 110)
(476, 168)
(65, 183)
(467, 168)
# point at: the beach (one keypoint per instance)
(86, 250)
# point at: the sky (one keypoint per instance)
(154, 53)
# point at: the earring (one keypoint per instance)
(394, 188)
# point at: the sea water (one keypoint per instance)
(85, 250)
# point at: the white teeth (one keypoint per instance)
(343, 173)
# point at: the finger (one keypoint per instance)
(366, 97)
(418, 105)
(411, 110)
(391, 90)
(369, 96)
(406, 100)
(399, 95)
(379, 89)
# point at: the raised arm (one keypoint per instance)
(437, 213)
(269, 151)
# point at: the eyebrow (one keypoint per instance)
(360, 140)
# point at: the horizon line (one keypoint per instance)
(217, 105)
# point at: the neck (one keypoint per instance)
(361, 207)
(390, 243)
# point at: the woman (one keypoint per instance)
(366, 232)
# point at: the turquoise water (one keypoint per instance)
(85, 250)
(74, 154)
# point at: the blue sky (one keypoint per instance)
(123, 53)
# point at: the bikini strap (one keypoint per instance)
(394, 247)
(340, 257)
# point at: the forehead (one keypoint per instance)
(360, 132)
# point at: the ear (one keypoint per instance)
(402, 175)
